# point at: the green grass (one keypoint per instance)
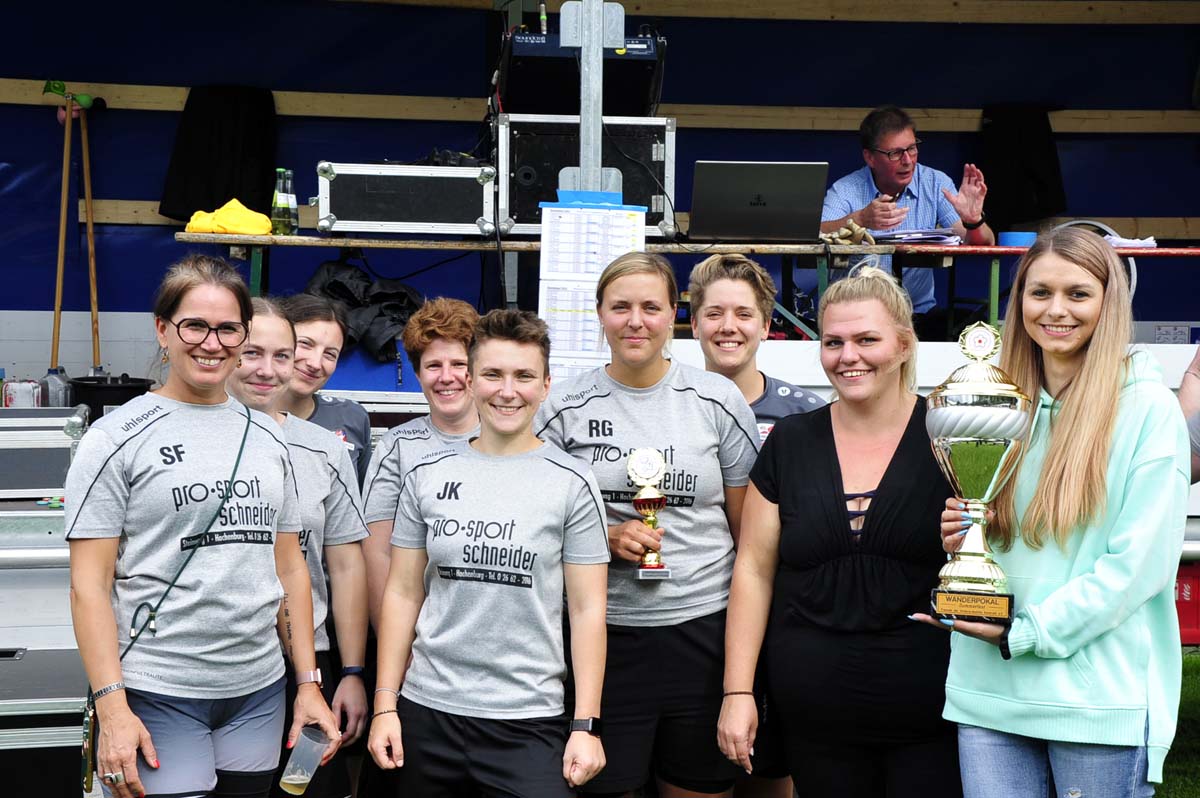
(1181, 777)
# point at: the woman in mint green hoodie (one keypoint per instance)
(1082, 690)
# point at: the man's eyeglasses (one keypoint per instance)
(895, 155)
(196, 331)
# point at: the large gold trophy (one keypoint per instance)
(978, 421)
(646, 468)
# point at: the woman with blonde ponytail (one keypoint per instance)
(1082, 690)
(839, 547)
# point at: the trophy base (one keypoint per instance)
(963, 605)
(653, 574)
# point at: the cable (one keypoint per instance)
(499, 256)
(441, 262)
(612, 140)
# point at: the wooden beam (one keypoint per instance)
(287, 103)
(726, 117)
(798, 117)
(933, 120)
(146, 212)
(380, 106)
(998, 12)
(1165, 227)
(127, 212)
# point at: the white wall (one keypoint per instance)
(126, 343)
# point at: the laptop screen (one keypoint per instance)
(757, 201)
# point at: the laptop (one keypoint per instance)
(759, 201)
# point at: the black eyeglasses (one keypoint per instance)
(894, 155)
(196, 331)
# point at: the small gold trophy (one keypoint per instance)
(978, 421)
(646, 468)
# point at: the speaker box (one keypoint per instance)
(533, 148)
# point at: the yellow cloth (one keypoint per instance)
(233, 218)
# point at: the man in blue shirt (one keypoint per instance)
(892, 192)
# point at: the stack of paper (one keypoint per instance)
(938, 235)
(578, 241)
(1143, 243)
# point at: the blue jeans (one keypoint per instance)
(999, 765)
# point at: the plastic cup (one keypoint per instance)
(305, 759)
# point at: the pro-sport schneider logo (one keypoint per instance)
(678, 483)
(486, 543)
(247, 511)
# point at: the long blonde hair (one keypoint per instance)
(868, 283)
(1072, 485)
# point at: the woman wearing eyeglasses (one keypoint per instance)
(182, 517)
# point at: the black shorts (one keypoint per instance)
(661, 701)
(449, 755)
(331, 779)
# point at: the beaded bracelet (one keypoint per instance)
(385, 712)
(111, 688)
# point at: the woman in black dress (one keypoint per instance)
(840, 543)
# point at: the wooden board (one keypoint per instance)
(146, 212)
(727, 117)
(287, 103)
(1165, 227)
(937, 120)
(1003, 12)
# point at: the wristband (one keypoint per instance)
(352, 670)
(388, 690)
(385, 712)
(110, 688)
(737, 692)
(1003, 643)
(976, 225)
(592, 726)
(309, 677)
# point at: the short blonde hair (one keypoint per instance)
(733, 267)
(867, 283)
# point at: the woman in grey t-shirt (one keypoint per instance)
(662, 687)
(489, 537)
(180, 653)
(435, 339)
(320, 340)
(331, 526)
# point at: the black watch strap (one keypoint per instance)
(352, 670)
(593, 726)
(976, 225)
(1003, 643)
